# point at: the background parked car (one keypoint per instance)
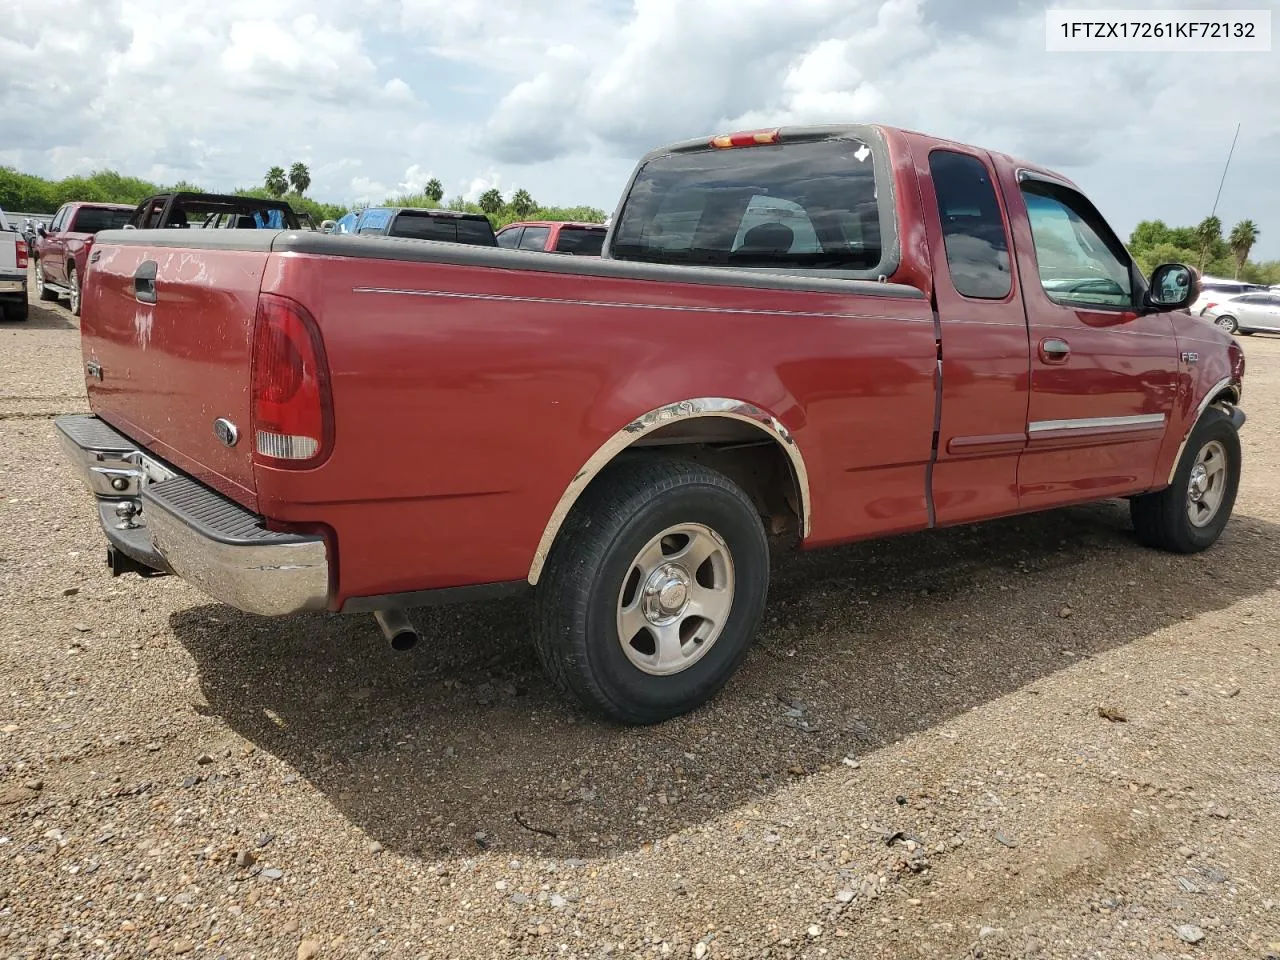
(451, 226)
(62, 250)
(1216, 289)
(579, 239)
(1246, 313)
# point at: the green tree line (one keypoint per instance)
(1203, 246)
(33, 194)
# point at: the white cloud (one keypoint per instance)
(481, 184)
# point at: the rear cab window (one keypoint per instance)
(821, 205)
(423, 225)
(581, 241)
(93, 219)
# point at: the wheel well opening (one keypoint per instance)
(744, 453)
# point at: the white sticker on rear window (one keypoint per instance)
(862, 153)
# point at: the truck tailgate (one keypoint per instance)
(168, 357)
(8, 250)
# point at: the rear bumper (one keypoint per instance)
(13, 281)
(185, 528)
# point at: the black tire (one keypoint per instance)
(15, 311)
(577, 603)
(1227, 324)
(1161, 519)
(45, 293)
(73, 285)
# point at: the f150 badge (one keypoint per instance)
(226, 431)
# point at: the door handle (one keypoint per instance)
(1054, 350)
(144, 282)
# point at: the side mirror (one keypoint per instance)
(40, 229)
(1174, 286)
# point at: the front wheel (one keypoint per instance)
(1189, 515)
(653, 591)
(1227, 324)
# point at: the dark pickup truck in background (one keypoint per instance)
(841, 332)
(419, 223)
(212, 211)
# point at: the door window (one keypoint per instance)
(510, 238)
(535, 238)
(1081, 262)
(58, 220)
(972, 226)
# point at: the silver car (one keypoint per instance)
(1247, 313)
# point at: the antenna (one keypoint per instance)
(1224, 171)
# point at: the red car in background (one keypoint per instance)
(552, 236)
(62, 251)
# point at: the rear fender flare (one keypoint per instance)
(655, 419)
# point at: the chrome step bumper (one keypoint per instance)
(168, 522)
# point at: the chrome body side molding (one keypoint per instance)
(1097, 423)
(654, 420)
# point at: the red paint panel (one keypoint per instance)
(170, 369)
(460, 421)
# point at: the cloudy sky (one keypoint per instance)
(562, 96)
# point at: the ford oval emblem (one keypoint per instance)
(226, 431)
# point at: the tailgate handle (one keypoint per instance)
(144, 282)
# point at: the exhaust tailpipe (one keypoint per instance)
(396, 627)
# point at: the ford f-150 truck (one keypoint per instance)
(843, 332)
(63, 251)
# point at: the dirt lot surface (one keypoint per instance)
(913, 763)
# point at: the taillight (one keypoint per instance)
(22, 254)
(292, 403)
(1207, 306)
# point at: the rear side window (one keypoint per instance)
(535, 238)
(581, 241)
(803, 205)
(510, 238)
(972, 226)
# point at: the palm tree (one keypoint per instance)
(491, 200)
(434, 190)
(276, 182)
(1243, 236)
(1208, 234)
(299, 177)
(522, 203)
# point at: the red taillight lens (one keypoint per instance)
(22, 253)
(292, 404)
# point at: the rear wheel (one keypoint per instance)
(44, 292)
(73, 285)
(15, 311)
(1227, 323)
(653, 591)
(1189, 515)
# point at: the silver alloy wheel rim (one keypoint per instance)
(675, 599)
(1208, 484)
(1226, 323)
(74, 283)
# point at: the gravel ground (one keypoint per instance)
(914, 761)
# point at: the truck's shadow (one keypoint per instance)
(45, 316)
(429, 750)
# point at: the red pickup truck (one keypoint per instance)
(843, 332)
(62, 252)
(552, 236)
